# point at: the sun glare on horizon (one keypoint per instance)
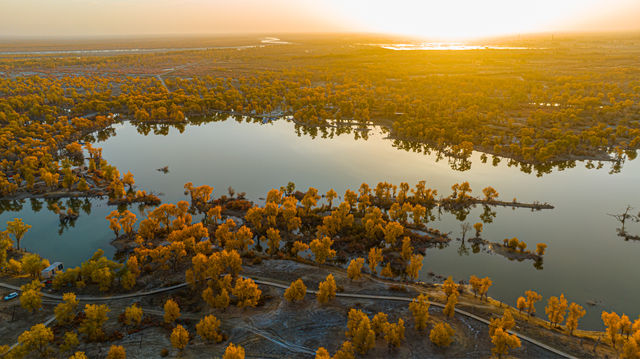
(445, 20)
(464, 19)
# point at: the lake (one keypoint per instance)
(585, 259)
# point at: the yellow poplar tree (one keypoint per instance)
(532, 298)
(296, 291)
(576, 311)
(386, 271)
(354, 270)
(37, 339)
(327, 289)
(233, 352)
(503, 341)
(65, 311)
(33, 265)
(114, 223)
(360, 332)
(450, 308)
(171, 311)
(133, 315)
(407, 249)
(392, 231)
(208, 329)
(375, 257)
(441, 334)
(379, 322)
(70, 342)
(449, 286)
(30, 297)
(117, 352)
(419, 307)
(394, 333)
(413, 269)
(78, 355)
(346, 351)
(541, 248)
(95, 317)
(179, 337)
(322, 353)
(273, 236)
(506, 322)
(18, 229)
(521, 304)
(612, 322)
(321, 249)
(555, 310)
(247, 292)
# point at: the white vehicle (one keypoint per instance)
(52, 270)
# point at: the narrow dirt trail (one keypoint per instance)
(271, 283)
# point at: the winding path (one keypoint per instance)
(104, 298)
(440, 305)
(283, 286)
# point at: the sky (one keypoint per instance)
(443, 19)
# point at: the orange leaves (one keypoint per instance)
(556, 309)
(199, 195)
(247, 292)
(121, 220)
(296, 291)
(321, 248)
(171, 311)
(441, 334)
(327, 290)
(480, 286)
(392, 231)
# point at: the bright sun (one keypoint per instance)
(464, 19)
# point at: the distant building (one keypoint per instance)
(52, 270)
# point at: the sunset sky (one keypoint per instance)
(452, 19)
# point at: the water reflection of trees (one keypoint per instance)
(477, 244)
(624, 218)
(57, 206)
(457, 161)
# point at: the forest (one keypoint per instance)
(206, 264)
(539, 107)
(214, 257)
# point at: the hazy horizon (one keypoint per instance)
(460, 19)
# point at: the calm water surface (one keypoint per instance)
(585, 260)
